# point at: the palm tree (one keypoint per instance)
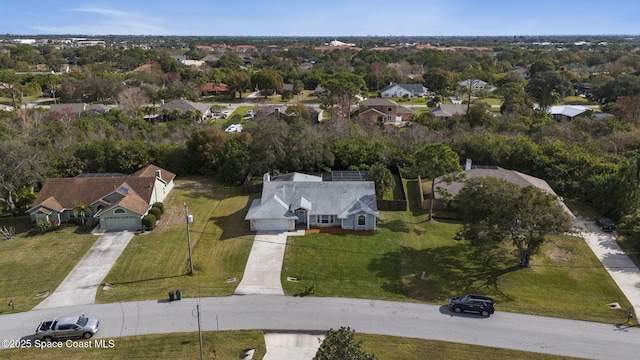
(81, 210)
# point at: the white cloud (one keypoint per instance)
(108, 22)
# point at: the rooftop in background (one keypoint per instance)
(91, 175)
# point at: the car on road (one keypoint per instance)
(250, 113)
(67, 327)
(605, 224)
(225, 114)
(478, 304)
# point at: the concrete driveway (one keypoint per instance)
(262, 272)
(623, 271)
(79, 287)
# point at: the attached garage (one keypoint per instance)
(119, 218)
(121, 223)
(273, 224)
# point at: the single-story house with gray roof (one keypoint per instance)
(400, 90)
(298, 199)
(474, 171)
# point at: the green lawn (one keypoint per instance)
(492, 101)
(231, 345)
(32, 265)
(219, 345)
(158, 262)
(389, 264)
(397, 348)
(386, 264)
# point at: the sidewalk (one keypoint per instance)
(623, 271)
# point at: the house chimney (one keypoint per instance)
(266, 178)
(158, 174)
(467, 165)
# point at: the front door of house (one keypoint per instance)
(302, 216)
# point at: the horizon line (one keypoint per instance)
(332, 36)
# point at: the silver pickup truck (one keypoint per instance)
(67, 327)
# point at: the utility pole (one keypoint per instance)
(189, 219)
(200, 332)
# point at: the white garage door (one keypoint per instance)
(270, 225)
(122, 223)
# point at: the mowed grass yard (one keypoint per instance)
(410, 259)
(231, 345)
(158, 262)
(35, 265)
(386, 264)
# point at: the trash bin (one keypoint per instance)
(178, 294)
(170, 295)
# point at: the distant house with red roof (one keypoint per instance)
(116, 201)
(211, 88)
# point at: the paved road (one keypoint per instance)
(310, 314)
(80, 286)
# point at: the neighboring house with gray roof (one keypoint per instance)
(476, 85)
(298, 199)
(383, 111)
(184, 106)
(279, 110)
(473, 171)
(447, 111)
(400, 90)
(76, 109)
(568, 112)
(116, 201)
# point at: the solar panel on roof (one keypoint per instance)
(349, 175)
(124, 189)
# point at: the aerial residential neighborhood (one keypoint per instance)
(290, 195)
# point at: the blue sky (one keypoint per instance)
(332, 18)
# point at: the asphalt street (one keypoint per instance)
(312, 314)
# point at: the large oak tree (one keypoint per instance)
(494, 210)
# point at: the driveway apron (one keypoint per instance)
(80, 286)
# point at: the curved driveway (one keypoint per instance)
(272, 312)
